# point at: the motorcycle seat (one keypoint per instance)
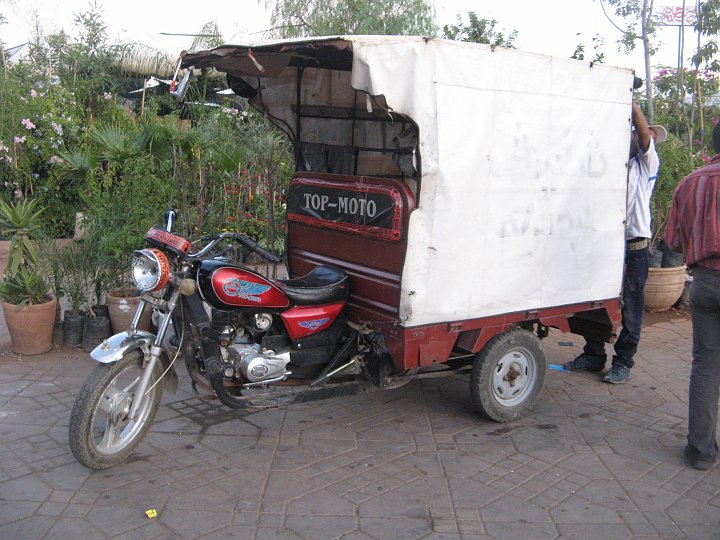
(322, 285)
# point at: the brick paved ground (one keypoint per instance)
(591, 461)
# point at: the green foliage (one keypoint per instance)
(676, 104)
(708, 25)
(39, 120)
(295, 18)
(599, 56)
(68, 144)
(479, 31)
(675, 164)
(23, 282)
(640, 23)
(74, 281)
(88, 269)
(24, 288)
(18, 222)
(50, 253)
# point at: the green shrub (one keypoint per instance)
(675, 164)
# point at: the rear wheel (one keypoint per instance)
(101, 432)
(507, 375)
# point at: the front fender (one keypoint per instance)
(115, 347)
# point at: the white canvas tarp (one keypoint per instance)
(524, 176)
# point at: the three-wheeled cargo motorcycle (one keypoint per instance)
(452, 202)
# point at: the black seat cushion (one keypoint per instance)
(322, 285)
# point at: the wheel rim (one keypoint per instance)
(112, 429)
(514, 377)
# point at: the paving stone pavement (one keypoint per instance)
(591, 461)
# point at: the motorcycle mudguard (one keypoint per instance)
(115, 347)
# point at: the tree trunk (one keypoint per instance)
(646, 14)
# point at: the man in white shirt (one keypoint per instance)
(642, 174)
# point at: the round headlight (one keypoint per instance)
(150, 269)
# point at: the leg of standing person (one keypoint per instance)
(701, 451)
(593, 357)
(636, 273)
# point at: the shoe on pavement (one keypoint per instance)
(617, 374)
(696, 461)
(586, 362)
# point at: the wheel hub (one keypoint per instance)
(513, 378)
(120, 407)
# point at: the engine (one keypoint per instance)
(246, 360)
(258, 366)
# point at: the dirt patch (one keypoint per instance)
(655, 317)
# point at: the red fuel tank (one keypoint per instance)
(225, 286)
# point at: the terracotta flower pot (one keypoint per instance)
(122, 305)
(30, 327)
(664, 287)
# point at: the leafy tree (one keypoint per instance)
(686, 117)
(705, 58)
(640, 27)
(3, 20)
(479, 31)
(598, 42)
(296, 18)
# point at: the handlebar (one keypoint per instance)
(214, 239)
(253, 246)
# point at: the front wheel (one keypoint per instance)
(101, 432)
(507, 375)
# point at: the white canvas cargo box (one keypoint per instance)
(520, 160)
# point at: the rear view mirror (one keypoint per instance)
(178, 89)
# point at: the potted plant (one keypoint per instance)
(28, 306)
(97, 272)
(122, 297)
(50, 251)
(74, 285)
(667, 274)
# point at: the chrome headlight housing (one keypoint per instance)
(150, 269)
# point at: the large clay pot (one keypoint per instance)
(122, 305)
(30, 327)
(664, 287)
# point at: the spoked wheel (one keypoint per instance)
(507, 375)
(101, 432)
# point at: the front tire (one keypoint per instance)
(507, 375)
(101, 433)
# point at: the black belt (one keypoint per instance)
(636, 243)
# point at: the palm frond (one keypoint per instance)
(77, 164)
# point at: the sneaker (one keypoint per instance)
(696, 461)
(586, 362)
(617, 374)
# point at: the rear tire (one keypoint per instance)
(101, 434)
(508, 375)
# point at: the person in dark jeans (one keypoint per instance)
(694, 228)
(642, 173)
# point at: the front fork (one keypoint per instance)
(115, 347)
(156, 348)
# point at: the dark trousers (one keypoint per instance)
(705, 373)
(633, 303)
